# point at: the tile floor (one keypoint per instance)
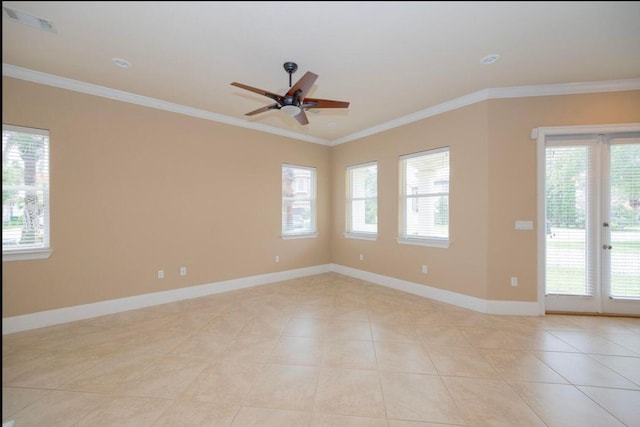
(325, 350)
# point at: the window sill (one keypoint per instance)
(434, 243)
(27, 254)
(299, 236)
(361, 236)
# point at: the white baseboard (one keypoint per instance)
(86, 311)
(69, 314)
(514, 308)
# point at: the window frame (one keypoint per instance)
(39, 251)
(350, 233)
(407, 201)
(313, 231)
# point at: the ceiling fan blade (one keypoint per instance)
(301, 117)
(303, 85)
(324, 103)
(263, 92)
(263, 109)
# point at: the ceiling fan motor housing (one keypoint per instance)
(290, 100)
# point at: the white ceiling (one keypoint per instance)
(393, 61)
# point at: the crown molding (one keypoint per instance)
(463, 101)
(565, 89)
(118, 95)
(498, 93)
(419, 115)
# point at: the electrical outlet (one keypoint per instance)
(277, 258)
(160, 274)
(183, 271)
(424, 268)
(361, 257)
(514, 281)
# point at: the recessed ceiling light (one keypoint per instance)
(32, 21)
(490, 59)
(122, 63)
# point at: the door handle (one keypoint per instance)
(605, 224)
(607, 247)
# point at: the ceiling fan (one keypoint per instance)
(294, 103)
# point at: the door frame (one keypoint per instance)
(540, 135)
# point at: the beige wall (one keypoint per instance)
(462, 266)
(135, 190)
(493, 184)
(512, 176)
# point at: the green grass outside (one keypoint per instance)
(571, 281)
(11, 225)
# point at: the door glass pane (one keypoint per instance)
(625, 221)
(567, 210)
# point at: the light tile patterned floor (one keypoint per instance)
(325, 350)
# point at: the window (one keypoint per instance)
(424, 198)
(298, 201)
(25, 193)
(362, 203)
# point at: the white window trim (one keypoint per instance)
(39, 252)
(26, 254)
(299, 236)
(361, 235)
(539, 135)
(314, 213)
(403, 238)
(424, 241)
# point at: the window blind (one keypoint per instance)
(624, 218)
(298, 200)
(425, 195)
(569, 215)
(25, 189)
(362, 203)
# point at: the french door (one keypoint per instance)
(591, 208)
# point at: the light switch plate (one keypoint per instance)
(524, 225)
